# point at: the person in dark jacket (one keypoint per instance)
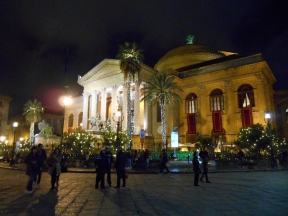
(205, 158)
(196, 168)
(120, 165)
(100, 164)
(32, 168)
(163, 162)
(109, 161)
(42, 156)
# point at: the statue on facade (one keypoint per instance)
(95, 122)
(45, 128)
(190, 39)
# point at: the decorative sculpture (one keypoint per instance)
(190, 39)
(95, 122)
(45, 128)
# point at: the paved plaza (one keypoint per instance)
(230, 193)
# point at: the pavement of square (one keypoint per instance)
(235, 193)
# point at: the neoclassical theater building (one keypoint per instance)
(222, 92)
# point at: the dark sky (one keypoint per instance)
(34, 37)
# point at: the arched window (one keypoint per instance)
(216, 100)
(191, 104)
(70, 120)
(80, 119)
(245, 96)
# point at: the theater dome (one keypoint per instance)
(187, 55)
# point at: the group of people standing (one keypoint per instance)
(197, 168)
(103, 163)
(36, 160)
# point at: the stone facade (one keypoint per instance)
(222, 91)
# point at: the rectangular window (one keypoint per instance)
(216, 103)
(247, 118)
(217, 122)
(191, 122)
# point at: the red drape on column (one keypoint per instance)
(217, 121)
(247, 117)
(191, 122)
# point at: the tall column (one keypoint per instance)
(261, 102)
(137, 109)
(94, 103)
(124, 109)
(103, 104)
(114, 105)
(85, 110)
(203, 109)
(148, 127)
(229, 101)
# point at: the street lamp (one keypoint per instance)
(64, 101)
(15, 125)
(268, 120)
(118, 117)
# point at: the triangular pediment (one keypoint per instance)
(106, 68)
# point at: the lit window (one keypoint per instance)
(191, 103)
(245, 96)
(216, 100)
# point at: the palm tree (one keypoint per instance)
(32, 111)
(161, 89)
(130, 57)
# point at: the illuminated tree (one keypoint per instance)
(206, 142)
(109, 137)
(78, 142)
(24, 147)
(130, 57)
(161, 89)
(32, 111)
(256, 138)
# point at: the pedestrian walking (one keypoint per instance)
(196, 168)
(42, 156)
(100, 164)
(120, 165)
(86, 162)
(109, 161)
(284, 156)
(32, 168)
(273, 159)
(129, 160)
(54, 167)
(188, 158)
(240, 157)
(205, 159)
(163, 162)
(147, 155)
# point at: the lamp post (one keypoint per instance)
(65, 102)
(268, 120)
(12, 162)
(118, 117)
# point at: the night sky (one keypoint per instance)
(35, 36)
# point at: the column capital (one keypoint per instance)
(103, 90)
(259, 77)
(86, 94)
(201, 88)
(228, 83)
(95, 92)
(114, 88)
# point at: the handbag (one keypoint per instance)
(126, 174)
(50, 162)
